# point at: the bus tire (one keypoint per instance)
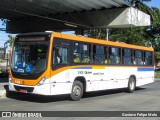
(77, 91)
(131, 85)
(10, 93)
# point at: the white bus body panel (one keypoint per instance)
(96, 79)
(100, 79)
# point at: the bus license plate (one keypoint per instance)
(23, 91)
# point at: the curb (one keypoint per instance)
(2, 93)
(3, 90)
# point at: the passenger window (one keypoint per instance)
(64, 55)
(148, 58)
(138, 57)
(127, 57)
(81, 53)
(99, 56)
(106, 61)
(77, 52)
(77, 48)
(61, 55)
(115, 55)
(85, 53)
(133, 57)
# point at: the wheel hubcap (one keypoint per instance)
(76, 91)
(132, 85)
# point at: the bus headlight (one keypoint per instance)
(42, 81)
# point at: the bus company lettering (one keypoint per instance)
(98, 73)
(84, 72)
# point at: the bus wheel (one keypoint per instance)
(77, 91)
(131, 85)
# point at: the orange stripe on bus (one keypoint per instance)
(97, 41)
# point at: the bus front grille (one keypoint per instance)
(28, 89)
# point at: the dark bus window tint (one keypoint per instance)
(61, 55)
(127, 52)
(99, 59)
(77, 53)
(115, 55)
(77, 47)
(138, 57)
(99, 56)
(148, 58)
(99, 49)
(77, 57)
(64, 55)
(106, 52)
(85, 49)
(127, 57)
(81, 53)
(133, 57)
(85, 53)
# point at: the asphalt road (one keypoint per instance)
(145, 98)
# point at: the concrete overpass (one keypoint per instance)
(57, 15)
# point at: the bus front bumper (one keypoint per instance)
(40, 90)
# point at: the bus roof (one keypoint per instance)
(99, 41)
(89, 40)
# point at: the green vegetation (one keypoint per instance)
(144, 36)
(10, 40)
(157, 74)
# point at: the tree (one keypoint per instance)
(154, 32)
(136, 35)
(10, 40)
(96, 33)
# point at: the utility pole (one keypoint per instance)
(107, 34)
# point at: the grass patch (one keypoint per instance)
(157, 74)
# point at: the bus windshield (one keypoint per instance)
(29, 57)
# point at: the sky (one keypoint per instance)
(154, 3)
(4, 36)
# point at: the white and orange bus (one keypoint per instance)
(54, 64)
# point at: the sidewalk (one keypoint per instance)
(3, 83)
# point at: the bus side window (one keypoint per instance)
(77, 53)
(82, 53)
(115, 55)
(64, 55)
(148, 58)
(85, 53)
(127, 57)
(58, 57)
(53, 56)
(99, 56)
(107, 60)
(139, 57)
(133, 57)
(61, 55)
